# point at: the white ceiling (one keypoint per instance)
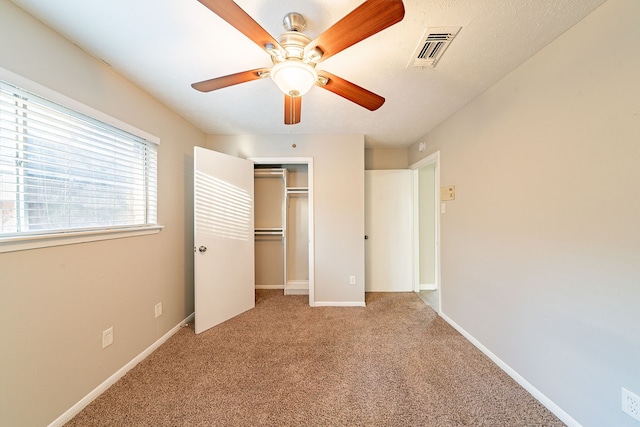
(165, 45)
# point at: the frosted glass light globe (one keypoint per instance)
(294, 78)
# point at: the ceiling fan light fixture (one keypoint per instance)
(294, 78)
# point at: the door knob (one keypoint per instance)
(202, 249)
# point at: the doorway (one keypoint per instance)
(388, 230)
(284, 227)
(426, 175)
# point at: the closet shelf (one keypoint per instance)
(272, 171)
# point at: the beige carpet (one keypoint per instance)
(393, 363)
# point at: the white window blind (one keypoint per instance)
(62, 171)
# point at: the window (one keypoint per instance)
(62, 171)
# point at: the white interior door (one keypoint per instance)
(223, 237)
(389, 230)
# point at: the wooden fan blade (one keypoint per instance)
(350, 91)
(292, 106)
(230, 80)
(238, 18)
(366, 20)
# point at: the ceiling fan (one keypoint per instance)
(295, 56)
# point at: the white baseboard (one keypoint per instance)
(296, 291)
(298, 284)
(428, 287)
(297, 287)
(269, 286)
(75, 409)
(548, 403)
(339, 304)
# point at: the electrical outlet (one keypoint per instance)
(631, 404)
(352, 280)
(107, 337)
(158, 310)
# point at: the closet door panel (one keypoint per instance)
(223, 245)
(389, 227)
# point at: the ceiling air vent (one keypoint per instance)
(432, 46)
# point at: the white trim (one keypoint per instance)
(71, 103)
(436, 207)
(26, 242)
(75, 409)
(433, 158)
(415, 218)
(295, 291)
(428, 287)
(280, 160)
(312, 228)
(537, 394)
(340, 304)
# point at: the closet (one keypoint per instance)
(283, 224)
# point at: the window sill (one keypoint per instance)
(22, 243)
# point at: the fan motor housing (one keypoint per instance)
(293, 42)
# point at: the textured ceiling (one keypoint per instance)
(165, 45)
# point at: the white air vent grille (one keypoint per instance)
(432, 46)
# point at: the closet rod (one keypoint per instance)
(300, 190)
(269, 232)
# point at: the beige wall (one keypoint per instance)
(541, 247)
(55, 302)
(386, 158)
(338, 179)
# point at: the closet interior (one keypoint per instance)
(282, 240)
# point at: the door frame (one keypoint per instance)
(309, 162)
(432, 159)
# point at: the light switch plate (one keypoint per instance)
(448, 193)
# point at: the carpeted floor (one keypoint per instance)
(393, 363)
